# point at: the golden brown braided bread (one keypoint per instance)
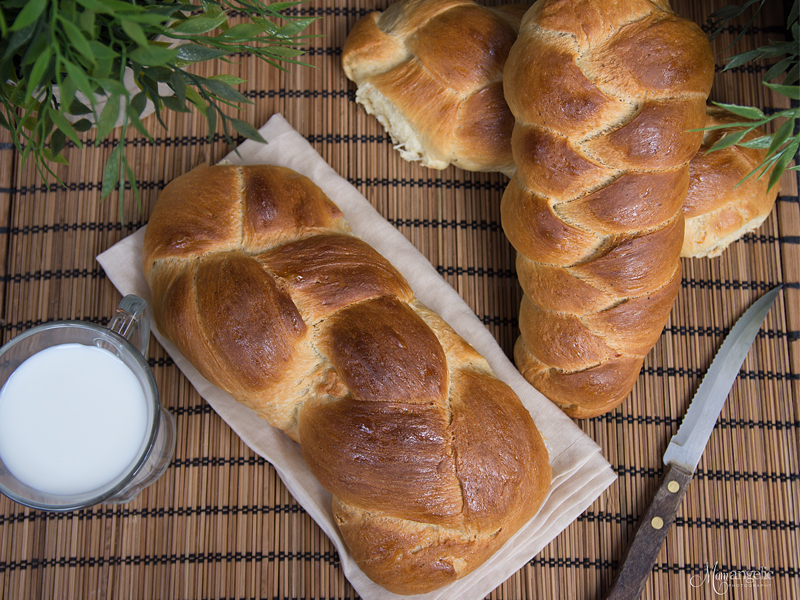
(604, 95)
(717, 209)
(431, 72)
(720, 207)
(433, 463)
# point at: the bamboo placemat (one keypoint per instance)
(221, 525)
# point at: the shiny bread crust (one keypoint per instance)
(431, 71)
(604, 96)
(728, 195)
(433, 462)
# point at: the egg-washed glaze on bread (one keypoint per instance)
(433, 462)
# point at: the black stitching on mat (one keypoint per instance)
(690, 372)
(718, 284)
(716, 523)
(498, 321)
(715, 475)
(129, 226)
(151, 513)
(482, 225)
(376, 182)
(429, 183)
(341, 138)
(57, 274)
(477, 272)
(195, 558)
(687, 330)
(674, 422)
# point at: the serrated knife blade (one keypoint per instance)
(685, 449)
(687, 445)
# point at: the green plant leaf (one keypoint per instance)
(48, 154)
(153, 56)
(210, 7)
(103, 68)
(138, 103)
(86, 22)
(77, 40)
(151, 18)
(133, 119)
(101, 51)
(113, 86)
(283, 51)
(247, 130)
(76, 107)
(229, 79)
(786, 156)
(150, 86)
(192, 53)
(243, 31)
(108, 117)
(193, 96)
(41, 42)
(82, 125)
(778, 69)
(61, 122)
(295, 26)
(135, 32)
(121, 8)
(29, 14)
(200, 24)
(792, 91)
(794, 14)
(728, 140)
(38, 71)
(781, 136)
(111, 172)
(748, 112)
(96, 6)
(224, 91)
(18, 39)
(162, 74)
(57, 142)
(81, 80)
(178, 85)
(174, 104)
(720, 18)
(759, 143)
(86, 45)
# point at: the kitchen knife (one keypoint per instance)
(685, 449)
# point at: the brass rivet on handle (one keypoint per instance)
(657, 522)
(673, 486)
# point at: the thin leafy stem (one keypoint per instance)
(84, 47)
(782, 145)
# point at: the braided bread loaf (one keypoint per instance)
(718, 210)
(431, 72)
(604, 95)
(432, 462)
(720, 207)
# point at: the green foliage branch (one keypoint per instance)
(62, 61)
(782, 145)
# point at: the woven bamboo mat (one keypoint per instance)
(221, 525)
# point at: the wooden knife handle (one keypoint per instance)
(637, 564)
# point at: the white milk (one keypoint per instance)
(72, 418)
